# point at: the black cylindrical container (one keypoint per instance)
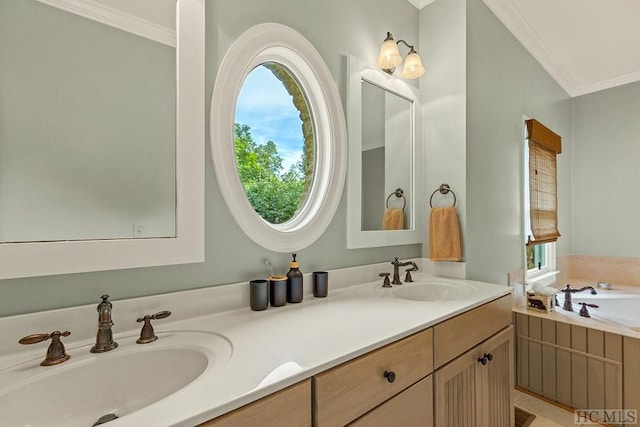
(320, 284)
(294, 282)
(277, 291)
(258, 294)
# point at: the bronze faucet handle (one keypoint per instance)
(407, 277)
(147, 334)
(56, 352)
(386, 283)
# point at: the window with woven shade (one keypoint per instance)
(544, 146)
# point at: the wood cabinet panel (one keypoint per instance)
(290, 407)
(457, 335)
(471, 394)
(345, 392)
(412, 407)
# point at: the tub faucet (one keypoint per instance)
(396, 270)
(568, 305)
(104, 337)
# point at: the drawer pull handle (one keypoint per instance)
(488, 357)
(390, 376)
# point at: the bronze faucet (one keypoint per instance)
(396, 271)
(568, 304)
(104, 337)
(56, 352)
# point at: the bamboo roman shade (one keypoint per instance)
(544, 145)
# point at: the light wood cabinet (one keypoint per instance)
(290, 407)
(475, 389)
(396, 385)
(411, 408)
(350, 390)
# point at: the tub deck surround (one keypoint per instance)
(272, 349)
(596, 321)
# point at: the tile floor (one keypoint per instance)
(547, 415)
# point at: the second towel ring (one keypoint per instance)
(443, 189)
(398, 193)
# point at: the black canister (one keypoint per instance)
(320, 284)
(258, 294)
(277, 291)
(294, 282)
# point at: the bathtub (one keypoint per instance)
(621, 308)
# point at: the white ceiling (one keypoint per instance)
(585, 45)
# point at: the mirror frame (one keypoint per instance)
(357, 71)
(32, 259)
(271, 42)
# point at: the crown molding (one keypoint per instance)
(421, 3)
(115, 18)
(517, 24)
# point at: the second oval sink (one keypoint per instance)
(433, 291)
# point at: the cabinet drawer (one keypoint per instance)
(290, 407)
(455, 336)
(348, 391)
(412, 407)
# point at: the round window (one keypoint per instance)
(278, 138)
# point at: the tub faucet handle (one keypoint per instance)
(147, 334)
(583, 311)
(56, 352)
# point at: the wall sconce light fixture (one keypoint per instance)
(390, 58)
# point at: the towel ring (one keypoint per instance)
(398, 193)
(443, 189)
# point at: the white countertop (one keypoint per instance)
(271, 349)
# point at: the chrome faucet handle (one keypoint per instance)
(386, 283)
(147, 334)
(56, 352)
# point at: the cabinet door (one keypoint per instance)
(457, 387)
(497, 380)
(469, 393)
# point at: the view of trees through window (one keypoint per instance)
(274, 142)
(275, 195)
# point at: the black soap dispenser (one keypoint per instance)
(294, 282)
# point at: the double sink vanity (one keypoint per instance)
(362, 355)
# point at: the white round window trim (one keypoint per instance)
(281, 44)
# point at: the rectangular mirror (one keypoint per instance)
(87, 146)
(383, 153)
(101, 148)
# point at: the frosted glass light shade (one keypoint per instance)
(412, 66)
(389, 57)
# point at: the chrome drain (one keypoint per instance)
(105, 419)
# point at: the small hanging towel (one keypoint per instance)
(393, 219)
(444, 235)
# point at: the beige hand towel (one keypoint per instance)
(444, 235)
(393, 219)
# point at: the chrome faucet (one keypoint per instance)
(568, 304)
(104, 337)
(396, 270)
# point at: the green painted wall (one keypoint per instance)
(337, 28)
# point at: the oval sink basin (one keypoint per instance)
(433, 291)
(90, 387)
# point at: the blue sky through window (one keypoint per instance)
(265, 106)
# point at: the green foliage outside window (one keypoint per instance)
(275, 195)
